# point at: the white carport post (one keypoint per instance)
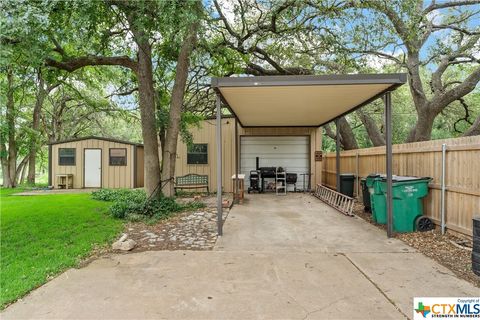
(388, 157)
(219, 167)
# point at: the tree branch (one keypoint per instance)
(474, 129)
(442, 5)
(73, 64)
(440, 101)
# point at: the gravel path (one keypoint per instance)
(450, 250)
(194, 230)
(188, 231)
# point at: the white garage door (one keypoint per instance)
(288, 152)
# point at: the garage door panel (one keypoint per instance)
(296, 156)
(289, 152)
(275, 149)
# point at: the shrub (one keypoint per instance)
(133, 205)
(119, 194)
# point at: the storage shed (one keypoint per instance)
(95, 162)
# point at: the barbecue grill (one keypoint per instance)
(269, 173)
(254, 181)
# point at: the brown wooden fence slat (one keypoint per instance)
(424, 159)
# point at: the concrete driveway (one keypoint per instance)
(280, 258)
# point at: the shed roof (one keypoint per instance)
(96, 138)
(300, 101)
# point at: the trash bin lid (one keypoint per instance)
(347, 175)
(373, 175)
(405, 178)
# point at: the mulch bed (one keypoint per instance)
(450, 250)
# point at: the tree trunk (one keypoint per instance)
(41, 94)
(474, 129)
(347, 137)
(161, 138)
(5, 173)
(147, 111)
(374, 133)
(6, 177)
(21, 170)
(11, 157)
(24, 173)
(170, 152)
(422, 131)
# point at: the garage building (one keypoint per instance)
(292, 148)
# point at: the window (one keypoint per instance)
(118, 157)
(197, 154)
(66, 156)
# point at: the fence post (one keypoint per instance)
(442, 195)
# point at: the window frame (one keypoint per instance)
(110, 157)
(74, 157)
(206, 154)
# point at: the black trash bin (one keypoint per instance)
(476, 246)
(366, 196)
(347, 181)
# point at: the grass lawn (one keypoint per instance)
(43, 235)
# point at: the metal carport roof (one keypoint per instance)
(300, 101)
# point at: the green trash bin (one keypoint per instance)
(379, 202)
(369, 182)
(407, 193)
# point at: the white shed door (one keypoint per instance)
(93, 168)
(288, 152)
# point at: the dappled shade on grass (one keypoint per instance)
(44, 235)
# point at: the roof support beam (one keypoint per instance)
(219, 167)
(236, 197)
(389, 156)
(337, 155)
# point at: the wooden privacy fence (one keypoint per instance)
(424, 159)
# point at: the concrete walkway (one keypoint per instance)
(280, 258)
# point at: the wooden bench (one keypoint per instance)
(191, 181)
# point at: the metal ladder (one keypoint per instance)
(281, 177)
(335, 199)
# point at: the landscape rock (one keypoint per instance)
(126, 245)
